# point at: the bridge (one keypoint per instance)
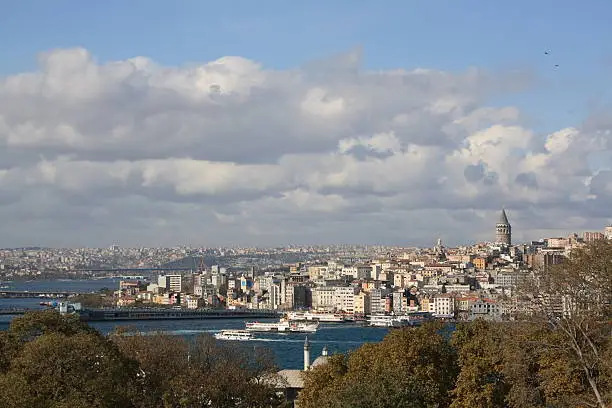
(14, 311)
(21, 294)
(119, 314)
(122, 270)
(134, 314)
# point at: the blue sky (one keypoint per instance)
(449, 35)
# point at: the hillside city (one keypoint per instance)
(462, 282)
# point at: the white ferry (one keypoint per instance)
(239, 335)
(283, 326)
(410, 319)
(381, 320)
(316, 316)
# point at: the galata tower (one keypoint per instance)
(503, 230)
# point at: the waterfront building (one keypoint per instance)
(323, 298)
(361, 305)
(344, 298)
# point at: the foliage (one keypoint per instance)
(94, 300)
(409, 368)
(575, 300)
(34, 324)
(199, 373)
(50, 360)
(481, 381)
(71, 370)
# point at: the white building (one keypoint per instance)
(608, 232)
(173, 283)
(485, 309)
(344, 298)
(443, 305)
(191, 302)
(378, 300)
(323, 298)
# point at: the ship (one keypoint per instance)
(283, 326)
(238, 335)
(316, 316)
(394, 321)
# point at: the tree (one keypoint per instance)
(575, 299)
(80, 370)
(50, 360)
(409, 368)
(324, 383)
(481, 381)
(200, 372)
(160, 358)
(34, 324)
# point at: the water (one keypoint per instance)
(287, 348)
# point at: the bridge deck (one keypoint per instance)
(119, 314)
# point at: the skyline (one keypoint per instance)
(302, 124)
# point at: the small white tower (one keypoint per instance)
(306, 354)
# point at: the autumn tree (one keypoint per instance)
(575, 299)
(481, 381)
(79, 370)
(34, 324)
(409, 368)
(199, 372)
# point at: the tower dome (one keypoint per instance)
(503, 229)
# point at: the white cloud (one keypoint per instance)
(229, 151)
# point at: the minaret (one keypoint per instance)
(503, 230)
(306, 354)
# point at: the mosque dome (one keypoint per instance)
(322, 359)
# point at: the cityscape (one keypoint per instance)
(277, 204)
(450, 283)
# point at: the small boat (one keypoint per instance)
(238, 335)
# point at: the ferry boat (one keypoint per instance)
(381, 320)
(407, 320)
(320, 317)
(239, 335)
(283, 326)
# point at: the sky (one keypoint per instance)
(156, 123)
